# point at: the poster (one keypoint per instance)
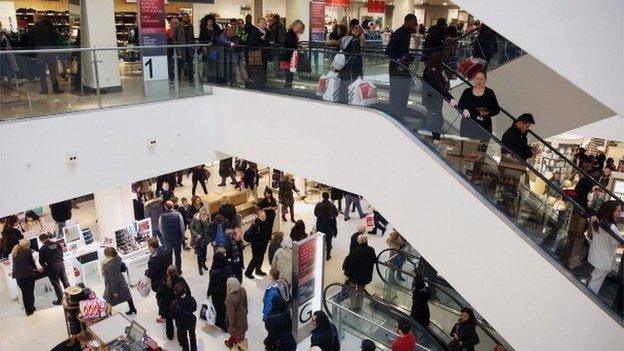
(317, 21)
(143, 230)
(376, 6)
(152, 33)
(338, 3)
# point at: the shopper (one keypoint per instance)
(10, 235)
(171, 225)
(199, 174)
(277, 287)
(226, 171)
(153, 208)
(217, 287)
(258, 235)
(464, 332)
(257, 59)
(368, 345)
(361, 229)
(184, 213)
(33, 223)
(286, 188)
(25, 272)
(603, 247)
(282, 261)
(61, 213)
(420, 302)
(353, 68)
(515, 138)
(406, 341)
(250, 176)
(159, 260)
(165, 295)
(279, 328)
(280, 31)
(53, 264)
(605, 176)
(610, 164)
(234, 253)
(43, 36)
(434, 94)
(398, 243)
(324, 334)
(298, 231)
(486, 45)
(335, 37)
(184, 35)
(449, 50)
(379, 223)
(183, 312)
(291, 44)
(358, 267)
(435, 37)
(480, 104)
(269, 205)
(326, 214)
(236, 311)
(275, 244)
(337, 195)
(196, 204)
(354, 199)
(400, 77)
(201, 236)
(116, 288)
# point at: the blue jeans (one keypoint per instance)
(355, 200)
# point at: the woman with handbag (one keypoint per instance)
(165, 296)
(291, 44)
(116, 288)
(201, 236)
(464, 333)
(256, 55)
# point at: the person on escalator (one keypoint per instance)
(324, 334)
(420, 302)
(353, 67)
(358, 267)
(603, 248)
(400, 77)
(434, 93)
(515, 138)
(368, 345)
(478, 105)
(406, 341)
(435, 37)
(464, 332)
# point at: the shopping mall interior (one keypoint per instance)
(311, 175)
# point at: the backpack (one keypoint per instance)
(340, 60)
(250, 233)
(220, 237)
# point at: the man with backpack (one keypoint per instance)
(258, 234)
(277, 287)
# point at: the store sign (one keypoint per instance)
(308, 266)
(338, 3)
(317, 21)
(152, 33)
(376, 6)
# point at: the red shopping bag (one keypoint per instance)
(321, 88)
(471, 66)
(370, 221)
(294, 61)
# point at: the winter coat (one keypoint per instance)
(114, 282)
(286, 189)
(290, 42)
(61, 211)
(219, 273)
(24, 265)
(420, 305)
(157, 266)
(435, 90)
(171, 225)
(236, 310)
(283, 260)
(273, 247)
(276, 288)
(10, 238)
(516, 141)
(467, 334)
(326, 214)
(260, 233)
(153, 209)
(360, 264)
(50, 255)
(201, 231)
(165, 295)
(353, 68)
(336, 194)
(602, 250)
(326, 338)
(182, 311)
(279, 330)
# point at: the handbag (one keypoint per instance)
(208, 312)
(144, 287)
(254, 57)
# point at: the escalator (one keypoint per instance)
(359, 316)
(397, 270)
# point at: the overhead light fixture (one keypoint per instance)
(443, 4)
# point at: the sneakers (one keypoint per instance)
(131, 312)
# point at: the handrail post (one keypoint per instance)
(176, 78)
(97, 77)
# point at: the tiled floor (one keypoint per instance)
(46, 327)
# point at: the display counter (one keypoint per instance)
(117, 332)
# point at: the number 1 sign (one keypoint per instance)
(152, 30)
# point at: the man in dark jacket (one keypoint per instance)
(185, 35)
(435, 37)
(159, 260)
(358, 267)
(43, 36)
(61, 213)
(400, 78)
(515, 138)
(226, 170)
(280, 31)
(51, 259)
(259, 235)
(326, 214)
(171, 226)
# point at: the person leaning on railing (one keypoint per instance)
(291, 43)
(353, 67)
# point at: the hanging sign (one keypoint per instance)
(376, 6)
(317, 21)
(338, 3)
(152, 33)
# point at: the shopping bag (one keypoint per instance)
(321, 88)
(370, 222)
(294, 61)
(304, 64)
(471, 66)
(333, 88)
(362, 93)
(92, 309)
(254, 57)
(208, 312)
(144, 287)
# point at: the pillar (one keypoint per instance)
(114, 210)
(401, 9)
(97, 28)
(257, 10)
(299, 10)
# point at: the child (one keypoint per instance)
(182, 311)
(275, 244)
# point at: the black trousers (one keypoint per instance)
(169, 327)
(399, 93)
(289, 77)
(291, 209)
(27, 286)
(237, 269)
(328, 244)
(176, 248)
(57, 277)
(203, 185)
(257, 257)
(49, 61)
(187, 339)
(380, 222)
(201, 251)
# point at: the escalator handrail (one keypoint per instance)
(387, 305)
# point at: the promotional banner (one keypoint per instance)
(308, 266)
(152, 33)
(339, 3)
(376, 6)
(317, 21)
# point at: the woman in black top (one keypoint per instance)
(464, 333)
(291, 43)
(199, 175)
(257, 59)
(269, 205)
(182, 311)
(353, 68)
(298, 231)
(480, 104)
(434, 93)
(209, 32)
(25, 272)
(10, 236)
(219, 273)
(279, 327)
(165, 296)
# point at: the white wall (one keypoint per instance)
(225, 8)
(557, 104)
(275, 6)
(564, 35)
(527, 300)
(611, 128)
(111, 146)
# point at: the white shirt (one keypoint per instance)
(603, 248)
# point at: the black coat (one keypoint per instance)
(50, 255)
(24, 265)
(336, 194)
(165, 295)
(326, 214)
(260, 233)
(326, 338)
(517, 142)
(435, 39)
(435, 90)
(279, 330)
(157, 267)
(470, 102)
(182, 311)
(420, 306)
(467, 334)
(353, 67)
(61, 211)
(360, 264)
(291, 42)
(42, 36)
(397, 48)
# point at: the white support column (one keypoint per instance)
(114, 210)
(299, 10)
(97, 26)
(401, 9)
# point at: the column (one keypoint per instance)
(299, 10)
(97, 28)
(114, 210)
(401, 9)
(257, 10)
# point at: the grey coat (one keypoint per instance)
(115, 283)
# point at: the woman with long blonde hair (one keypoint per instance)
(291, 44)
(25, 272)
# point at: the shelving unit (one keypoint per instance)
(124, 22)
